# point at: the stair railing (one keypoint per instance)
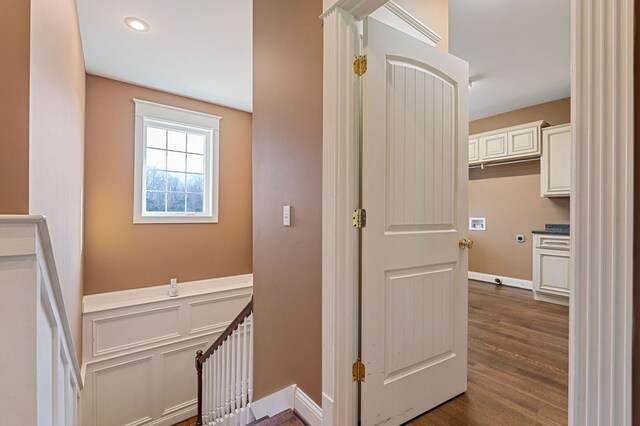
(225, 374)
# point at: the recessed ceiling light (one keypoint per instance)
(136, 24)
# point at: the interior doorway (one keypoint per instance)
(337, 393)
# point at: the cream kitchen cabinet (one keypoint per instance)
(551, 260)
(511, 143)
(555, 162)
(474, 151)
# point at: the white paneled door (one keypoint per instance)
(414, 274)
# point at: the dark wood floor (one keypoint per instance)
(286, 418)
(188, 422)
(518, 362)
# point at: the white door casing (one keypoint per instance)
(414, 275)
(602, 47)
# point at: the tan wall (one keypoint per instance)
(14, 106)
(509, 197)
(119, 255)
(56, 140)
(432, 13)
(287, 161)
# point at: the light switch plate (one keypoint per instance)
(286, 215)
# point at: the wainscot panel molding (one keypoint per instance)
(41, 378)
(139, 348)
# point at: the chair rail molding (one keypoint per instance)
(601, 213)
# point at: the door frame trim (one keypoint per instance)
(340, 196)
(600, 318)
(601, 210)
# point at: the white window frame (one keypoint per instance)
(153, 113)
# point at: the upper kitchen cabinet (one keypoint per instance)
(510, 143)
(474, 151)
(555, 163)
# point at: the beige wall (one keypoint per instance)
(56, 138)
(509, 197)
(14, 106)
(287, 160)
(432, 13)
(119, 255)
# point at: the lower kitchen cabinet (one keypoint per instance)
(551, 261)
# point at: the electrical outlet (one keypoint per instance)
(173, 287)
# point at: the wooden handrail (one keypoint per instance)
(246, 311)
(202, 357)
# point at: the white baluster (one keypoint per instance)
(205, 393)
(227, 393)
(245, 359)
(238, 370)
(250, 385)
(223, 371)
(232, 356)
(217, 386)
(221, 384)
(212, 389)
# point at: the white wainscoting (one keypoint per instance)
(40, 373)
(139, 348)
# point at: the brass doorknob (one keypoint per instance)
(465, 243)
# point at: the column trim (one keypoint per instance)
(601, 213)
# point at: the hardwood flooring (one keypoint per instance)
(518, 362)
(188, 422)
(286, 418)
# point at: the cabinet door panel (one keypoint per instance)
(555, 166)
(494, 146)
(523, 142)
(474, 151)
(554, 271)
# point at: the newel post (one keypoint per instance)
(199, 372)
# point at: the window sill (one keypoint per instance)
(168, 219)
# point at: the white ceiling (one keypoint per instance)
(518, 51)
(196, 48)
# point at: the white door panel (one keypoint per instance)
(415, 156)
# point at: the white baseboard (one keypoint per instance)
(275, 403)
(291, 397)
(307, 408)
(508, 281)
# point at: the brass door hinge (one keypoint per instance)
(358, 371)
(359, 218)
(360, 64)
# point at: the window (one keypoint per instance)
(176, 165)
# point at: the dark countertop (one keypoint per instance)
(554, 229)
